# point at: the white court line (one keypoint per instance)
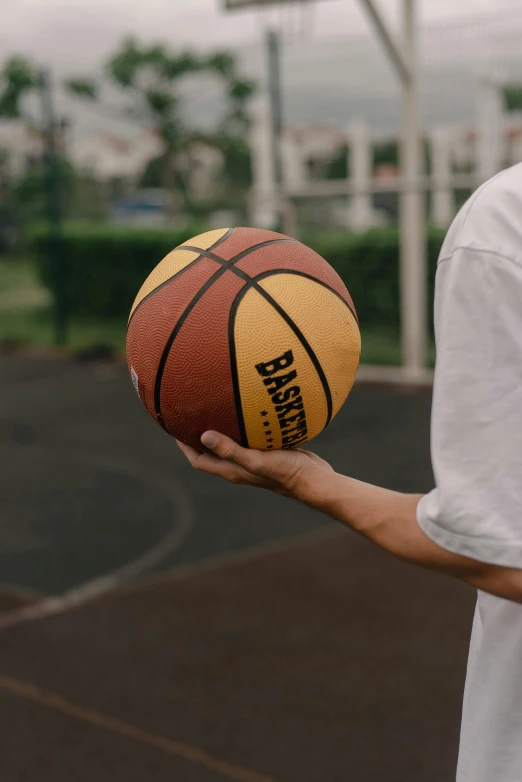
(83, 595)
(230, 558)
(393, 376)
(184, 520)
(188, 752)
(78, 596)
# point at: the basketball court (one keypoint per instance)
(157, 623)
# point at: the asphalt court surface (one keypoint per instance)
(321, 660)
(90, 483)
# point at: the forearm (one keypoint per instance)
(388, 519)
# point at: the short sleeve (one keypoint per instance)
(476, 428)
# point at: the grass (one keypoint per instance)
(34, 326)
(25, 320)
(381, 346)
(26, 316)
(17, 274)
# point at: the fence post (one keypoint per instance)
(413, 260)
(443, 197)
(489, 124)
(264, 190)
(54, 212)
(360, 209)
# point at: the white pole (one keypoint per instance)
(360, 210)
(394, 52)
(264, 191)
(443, 198)
(489, 124)
(293, 164)
(413, 263)
(294, 179)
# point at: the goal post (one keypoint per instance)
(403, 54)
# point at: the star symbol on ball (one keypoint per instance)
(266, 423)
(269, 440)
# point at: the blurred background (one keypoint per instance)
(153, 621)
(157, 136)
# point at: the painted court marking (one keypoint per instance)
(250, 554)
(55, 702)
(184, 521)
(87, 593)
(125, 575)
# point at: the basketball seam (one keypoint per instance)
(304, 342)
(241, 255)
(174, 333)
(252, 283)
(264, 275)
(184, 269)
(195, 299)
(233, 367)
(230, 264)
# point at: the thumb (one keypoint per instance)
(225, 448)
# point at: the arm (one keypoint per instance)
(387, 518)
(470, 526)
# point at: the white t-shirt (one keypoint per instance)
(476, 441)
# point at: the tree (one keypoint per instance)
(152, 75)
(19, 77)
(29, 192)
(386, 153)
(339, 165)
(512, 94)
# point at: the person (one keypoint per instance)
(470, 525)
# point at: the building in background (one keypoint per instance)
(20, 147)
(104, 156)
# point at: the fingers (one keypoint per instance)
(226, 448)
(191, 453)
(233, 473)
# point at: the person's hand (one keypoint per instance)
(284, 472)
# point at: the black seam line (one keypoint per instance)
(241, 255)
(252, 283)
(224, 266)
(174, 333)
(263, 276)
(233, 367)
(162, 285)
(304, 342)
(184, 269)
(221, 239)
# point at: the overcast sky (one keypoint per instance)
(77, 34)
(335, 73)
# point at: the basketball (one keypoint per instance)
(247, 332)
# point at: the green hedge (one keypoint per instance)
(106, 266)
(368, 263)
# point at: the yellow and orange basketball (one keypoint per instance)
(246, 332)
